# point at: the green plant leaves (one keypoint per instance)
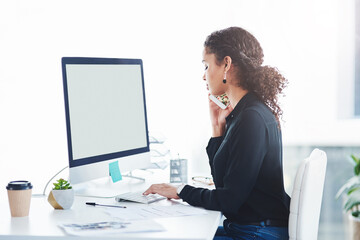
(357, 164)
(356, 160)
(355, 213)
(352, 183)
(62, 185)
(352, 190)
(352, 200)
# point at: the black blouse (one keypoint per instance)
(246, 165)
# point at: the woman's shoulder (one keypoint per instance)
(258, 111)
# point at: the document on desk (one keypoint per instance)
(111, 227)
(138, 212)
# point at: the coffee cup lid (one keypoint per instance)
(19, 185)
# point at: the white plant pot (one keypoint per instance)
(354, 224)
(61, 199)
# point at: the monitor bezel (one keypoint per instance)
(104, 157)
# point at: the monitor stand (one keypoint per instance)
(106, 188)
(130, 175)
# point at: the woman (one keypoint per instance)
(245, 151)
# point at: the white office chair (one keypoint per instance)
(305, 204)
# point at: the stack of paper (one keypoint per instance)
(101, 228)
(138, 212)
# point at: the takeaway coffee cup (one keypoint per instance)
(19, 194)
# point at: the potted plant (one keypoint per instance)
(351, 199)
(62, 195)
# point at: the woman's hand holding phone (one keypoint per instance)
(217, 117)
(217, 101)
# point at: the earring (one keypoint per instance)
(224, 81)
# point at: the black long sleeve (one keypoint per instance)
(246, 165)
(211, 151)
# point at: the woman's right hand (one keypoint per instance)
(217, 117)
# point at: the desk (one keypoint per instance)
(43, 220)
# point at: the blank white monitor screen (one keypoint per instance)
(106, 112)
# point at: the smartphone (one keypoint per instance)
(222, 101)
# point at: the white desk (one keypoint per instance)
(43, 220)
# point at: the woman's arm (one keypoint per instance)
(218, 123)
(211, 149)
(247, 148)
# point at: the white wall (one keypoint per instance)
(320, 66)
(301, 38)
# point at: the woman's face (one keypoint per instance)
(214, 74)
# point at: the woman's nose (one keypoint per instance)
(204, 77)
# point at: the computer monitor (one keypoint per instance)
(105, 116)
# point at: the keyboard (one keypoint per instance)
(139, 197)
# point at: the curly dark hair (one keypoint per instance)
(247, 55)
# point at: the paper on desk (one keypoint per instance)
(137, 212)
(111, 227)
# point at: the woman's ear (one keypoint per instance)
(227, 61)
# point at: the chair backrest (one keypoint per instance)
(305, 204)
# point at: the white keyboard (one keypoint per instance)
(138, 197)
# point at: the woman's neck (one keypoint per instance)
(235, 94)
